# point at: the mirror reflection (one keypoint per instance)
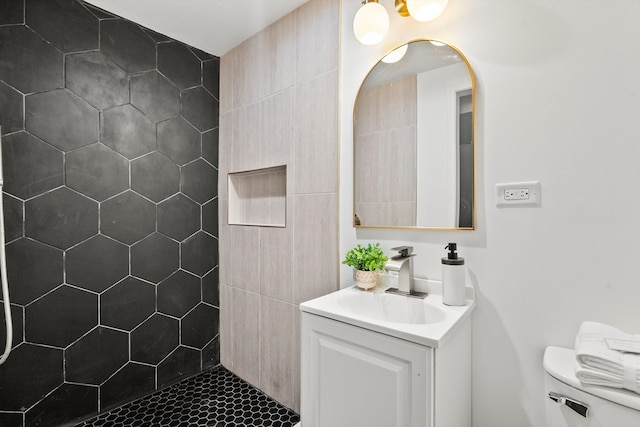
(413, 141)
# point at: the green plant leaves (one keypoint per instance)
(366, 258)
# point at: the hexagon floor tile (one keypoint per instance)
(213, 398)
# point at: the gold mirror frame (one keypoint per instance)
(356, 222)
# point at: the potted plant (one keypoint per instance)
(367, 262)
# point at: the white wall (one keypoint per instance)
(437, 122)
(558, 100)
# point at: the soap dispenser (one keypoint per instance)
(453, 277)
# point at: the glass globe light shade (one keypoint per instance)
(426, 10)
(371, 23)
(396, 54)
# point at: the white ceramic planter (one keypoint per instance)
(365, 279)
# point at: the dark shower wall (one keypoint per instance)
(110, 142)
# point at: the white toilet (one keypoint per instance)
(571, 404)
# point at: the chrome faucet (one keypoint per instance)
(403, 264)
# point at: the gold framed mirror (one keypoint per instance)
(414, 141)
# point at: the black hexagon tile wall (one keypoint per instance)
(110, 136)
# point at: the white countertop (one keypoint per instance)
(369, 310)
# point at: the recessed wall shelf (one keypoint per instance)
(258, 197)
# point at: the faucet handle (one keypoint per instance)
(404, 251)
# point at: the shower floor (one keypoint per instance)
(213, 398)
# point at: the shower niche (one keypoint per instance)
(258, 197)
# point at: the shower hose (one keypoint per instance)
(3, 273)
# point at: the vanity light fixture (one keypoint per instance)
(371, 22)
(426, 10)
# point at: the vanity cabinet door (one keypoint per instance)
(354, 377)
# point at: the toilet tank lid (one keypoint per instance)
(560, 363)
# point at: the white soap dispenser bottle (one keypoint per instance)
(453, 277)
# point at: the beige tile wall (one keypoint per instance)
(279, 106)
(386, 154)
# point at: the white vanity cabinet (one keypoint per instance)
(352, 376)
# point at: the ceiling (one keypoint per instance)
(215, 26)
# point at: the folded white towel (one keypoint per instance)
(599, 365)
(593, 377)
